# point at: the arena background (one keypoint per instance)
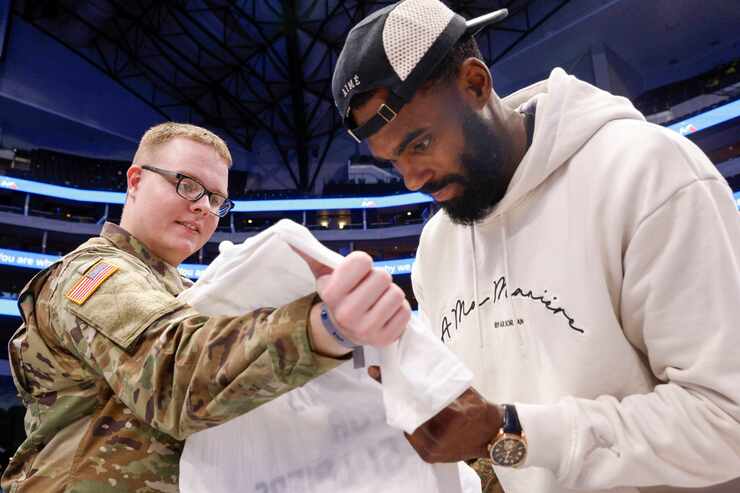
(81, 80)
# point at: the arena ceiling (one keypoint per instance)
(248, 68)
(241, 66)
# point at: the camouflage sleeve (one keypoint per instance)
(489, 481)
(177, 370)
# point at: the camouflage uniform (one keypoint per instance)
(113, 385)
(489, 481)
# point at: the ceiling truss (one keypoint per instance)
(244, 68)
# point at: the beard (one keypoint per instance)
(483, 181)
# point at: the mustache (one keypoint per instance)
(435, 186)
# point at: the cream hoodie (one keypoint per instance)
(602, 297)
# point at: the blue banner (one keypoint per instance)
(396, 267)
(699, 122)
(30, 260)
(9, 307)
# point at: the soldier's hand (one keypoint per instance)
(364, 303)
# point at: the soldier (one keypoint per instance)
(116, 372)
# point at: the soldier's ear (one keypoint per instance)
(133, 179)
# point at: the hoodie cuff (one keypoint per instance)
(550, 436)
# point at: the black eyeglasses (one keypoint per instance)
(192, 190)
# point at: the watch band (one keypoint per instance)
(511, 422)
(333, 330)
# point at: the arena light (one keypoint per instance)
(101, 197)
(95, 196)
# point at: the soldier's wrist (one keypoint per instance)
(321, 341)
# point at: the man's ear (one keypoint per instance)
(474, 82)
(133, 179)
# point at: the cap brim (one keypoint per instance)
(473, 26)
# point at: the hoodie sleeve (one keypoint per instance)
(680, 304)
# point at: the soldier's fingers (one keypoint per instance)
(346, 276)
(394, 328)
(400, 320)
(353, 309)
(381, 312)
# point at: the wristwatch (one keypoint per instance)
(509, 448)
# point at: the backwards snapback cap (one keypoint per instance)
(398, 47)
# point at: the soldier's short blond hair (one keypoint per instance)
(165, 132)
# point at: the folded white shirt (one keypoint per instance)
(335, 419)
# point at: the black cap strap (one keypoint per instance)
(385, 113)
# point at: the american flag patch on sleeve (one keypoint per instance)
(90, 281)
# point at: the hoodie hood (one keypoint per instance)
(562, 102)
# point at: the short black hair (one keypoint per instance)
(447, 70)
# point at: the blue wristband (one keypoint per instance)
(333, 330)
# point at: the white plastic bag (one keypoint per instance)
(339, 431)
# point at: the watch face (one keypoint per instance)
(509, 450)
